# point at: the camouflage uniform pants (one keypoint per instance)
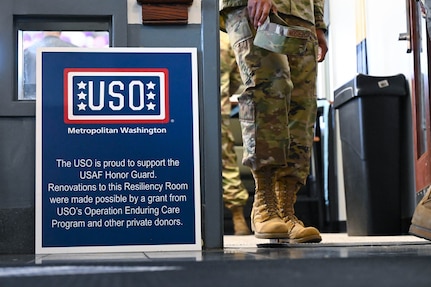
(278, 107)
(234, 191)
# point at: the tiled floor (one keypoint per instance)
(333, 245)
(339, 260)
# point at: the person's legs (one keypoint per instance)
(302, 117)
(263, 115)
(235, 194)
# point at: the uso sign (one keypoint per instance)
(117, 150)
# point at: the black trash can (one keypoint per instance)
(370, 115)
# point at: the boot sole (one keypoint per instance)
(308, 239)
(420, 232)
(271, 235)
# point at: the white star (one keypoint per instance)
(151, 106)
(82, 95)
(151, 85)
(82, 106)
(82, 85)
(151, 96)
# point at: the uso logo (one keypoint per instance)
(116, 95)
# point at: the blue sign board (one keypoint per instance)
(117, 150)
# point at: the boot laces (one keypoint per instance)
(266, 195)
(286, 202)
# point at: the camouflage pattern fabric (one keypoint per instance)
(278, 107)
(230, 79)
(234, 192)
(311, 11)
(275, 35)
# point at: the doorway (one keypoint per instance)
(419, 47)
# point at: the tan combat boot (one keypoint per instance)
(421, 221)
(286, 196)
(265, 220)
(239, 224)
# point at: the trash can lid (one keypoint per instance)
(366, 85)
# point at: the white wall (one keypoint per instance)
(385, 20)
(342, 42)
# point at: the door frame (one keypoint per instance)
(420, 95)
